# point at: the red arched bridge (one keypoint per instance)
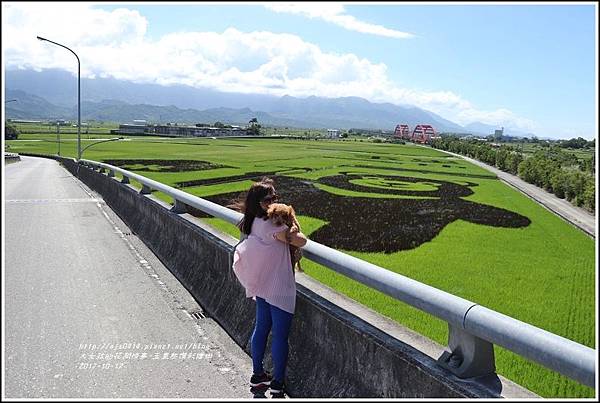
(421, 133)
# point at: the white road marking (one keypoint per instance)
(40, 201)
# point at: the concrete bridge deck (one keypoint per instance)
(90, 312)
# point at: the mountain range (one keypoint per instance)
(53, 94)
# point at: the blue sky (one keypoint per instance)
(529, 67)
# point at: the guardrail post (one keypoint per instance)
(125, 179)
(146, 190)
(179, 207)
(467, 356)
(111, 173)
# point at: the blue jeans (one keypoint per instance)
(269, 317)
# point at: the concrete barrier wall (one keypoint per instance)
(333, 353)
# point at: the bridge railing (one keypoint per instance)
(473, 329)
(11, 156)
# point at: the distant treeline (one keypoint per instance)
(10, 132)
(550, 168)
(579, 142)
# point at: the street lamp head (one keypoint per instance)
(98, 142)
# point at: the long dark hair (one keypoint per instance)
(251, 206)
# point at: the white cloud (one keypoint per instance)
(114, 44)
(336, 14)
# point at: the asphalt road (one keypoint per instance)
(90, 312)
(577, 216)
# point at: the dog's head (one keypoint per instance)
(281, 214)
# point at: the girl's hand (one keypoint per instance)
(295, 238)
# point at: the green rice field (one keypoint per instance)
(413, 210)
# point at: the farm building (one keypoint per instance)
(194, 131)
(179, 130)
(24, 121)
(133, 129)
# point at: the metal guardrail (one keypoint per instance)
(473, 329)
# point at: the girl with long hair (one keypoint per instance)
(262, 265)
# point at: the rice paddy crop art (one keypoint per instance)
(153, 165)
(368, 224)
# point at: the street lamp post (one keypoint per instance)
(58, 136)
(78, 95)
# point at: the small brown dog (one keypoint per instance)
(280, 214)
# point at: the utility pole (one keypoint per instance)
(58, 136)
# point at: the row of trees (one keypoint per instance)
(550, 168)
(10, 132)
(579, 142)
(217, 124)
(253, 126)
(565, 182)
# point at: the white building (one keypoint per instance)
(332, 133)
(23, 121)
